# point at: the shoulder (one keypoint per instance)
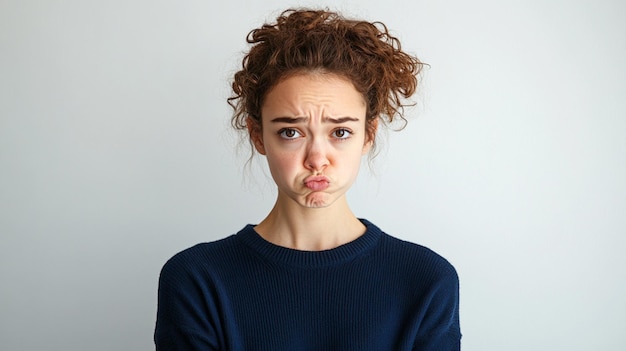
(415, 259)
(202, 258)
(416, 253)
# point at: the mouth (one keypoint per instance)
(317, 183)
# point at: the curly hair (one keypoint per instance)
(323, 41)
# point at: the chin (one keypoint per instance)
(316, 205)
(317, 200)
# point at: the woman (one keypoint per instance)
(311, 275)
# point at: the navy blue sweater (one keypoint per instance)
(244, 293)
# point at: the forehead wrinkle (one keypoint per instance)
(318, 106)
(314, 103)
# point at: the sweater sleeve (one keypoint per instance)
(440, 329)
(185, 316)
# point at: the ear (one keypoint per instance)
(256, 134)
(370, 135)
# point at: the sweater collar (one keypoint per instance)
(338, 255)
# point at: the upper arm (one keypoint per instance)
(185, 312)
(440, 327)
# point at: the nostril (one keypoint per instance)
(315, 161)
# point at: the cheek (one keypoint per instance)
(281, 164)
(356, 159)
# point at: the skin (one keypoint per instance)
(314, 136)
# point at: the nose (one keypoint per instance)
(316, 159)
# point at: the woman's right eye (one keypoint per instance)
(289, 133)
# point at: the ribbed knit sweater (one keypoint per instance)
(245, 293)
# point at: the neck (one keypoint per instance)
(310, 229)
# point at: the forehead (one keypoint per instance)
(312, 94)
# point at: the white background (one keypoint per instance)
(115, 153)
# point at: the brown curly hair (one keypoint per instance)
(323, 41)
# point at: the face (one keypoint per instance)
(313, 136)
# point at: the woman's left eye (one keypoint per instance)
(342, 133)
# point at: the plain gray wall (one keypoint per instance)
(115, 153)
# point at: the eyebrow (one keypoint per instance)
(294, 120)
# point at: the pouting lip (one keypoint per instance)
(318, 178)
(316, 183)
(316, 186)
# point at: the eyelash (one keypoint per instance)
(282, 133)
(343, 130)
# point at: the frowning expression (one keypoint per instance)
(313, 136)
